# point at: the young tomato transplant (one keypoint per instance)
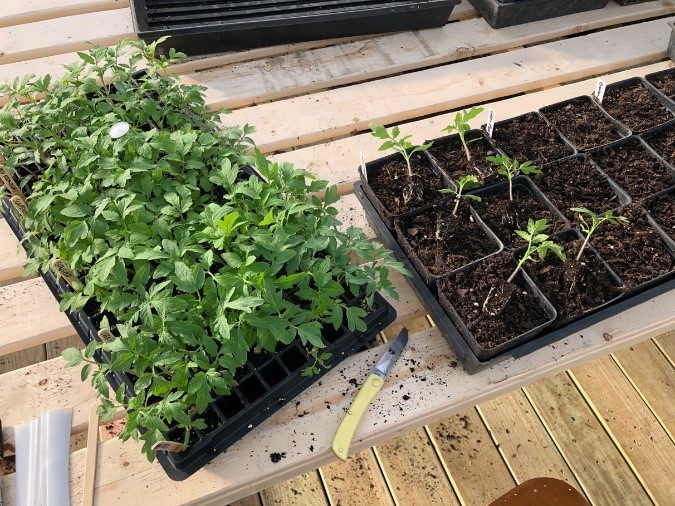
(465, 182)
(588, 227)
(538, 243)
(191, 263)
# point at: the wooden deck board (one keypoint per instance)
(12, 256)
(17, 12)
(634, 429)
(604, 475)
(667, 344)
(304, 489)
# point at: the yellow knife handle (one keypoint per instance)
(345, 432)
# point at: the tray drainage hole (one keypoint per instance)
(293, 358)
(230, 405)
(252, 388)
(273, 373)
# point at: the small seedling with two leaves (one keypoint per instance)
(461, 126)
(511, 168)
(399, 144)
(465, 182)
(538, 243)
(595, 220)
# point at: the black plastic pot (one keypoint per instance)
(266, 383)
(620, 130)
(521, 183)
(652, 136)
(667, 104)
(668, 234)
(210, 26)
(502, 13)
(631, 2)
(653, 81)
(373, 169)
(524, 283)
(563, 238)
(548, 139)
(446, 205)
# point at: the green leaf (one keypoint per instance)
(311, 333)
(72, 356)
(76, 211)
(86, 57)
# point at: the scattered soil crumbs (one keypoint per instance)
(582, 123)
(276, 457)
(634, 169)
(574, 287)
(576, 183)
(451, 158)
(492, 310)
(662, 210)
(504, 216)
(529, 137)
(634, 106)
(397, 193)
(444, 242)
(7, 465)
(636, 251)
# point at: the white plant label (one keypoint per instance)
(119, 129)
(599, 92)
(167, 446)
(105, 335)
(364, 171)
(490, 126)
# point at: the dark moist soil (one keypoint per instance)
(634, 169)
(529, 137)
(663, 142)
(662, 210)
(7, 465)
(635, 106)
(504, 216)
(461, 240)
(665, 83)
(391, 180)
(451, 158)
(583, 124)
(636, 251)
(511, 310)
(574, 287)
(576, 183)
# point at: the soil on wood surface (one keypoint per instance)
(635, 251)
(7, 466)
(529, 137)
(662, 209)
(493, 310)
(397, 192)
(451, 158)
(444, 242)
(665, 83)
(573, 287)
(663, 142)
(576, 183)
(634, 169)
(504, 216)
(112, 429)
(634, 106)
(582, 123)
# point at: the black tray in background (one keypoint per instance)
(464, 354)
(266, 382)
(500, 14)
(210, 26)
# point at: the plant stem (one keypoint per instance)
(466, 150)
(583, 246)
(510, 190)
(454, 211)
(407, 161)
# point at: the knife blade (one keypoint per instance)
(370, 388)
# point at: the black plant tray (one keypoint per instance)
(209, 26)
(502, 13)
(267, 381)
(470, 362)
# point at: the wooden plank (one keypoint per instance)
(304, 489)
(12, 256)
(522, 440)
(19, 359)
(635, 431)
(61, 35)
(316, 117)
(252, 500)
(414, 471)
(666, 343)
(293, 74)
(655, 383)
(30, 316)
(356, 482)
(337, 161)
(602, 472)
(16, 12)
(473, 461)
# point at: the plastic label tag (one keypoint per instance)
(64, 271)
(9, 183)
(105, 335)
(20, 205)
(364, 171)
(599, 92)
(490, 126)
(167, 446)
